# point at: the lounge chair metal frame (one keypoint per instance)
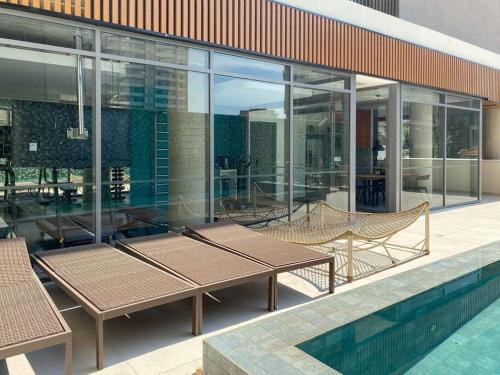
(101, 316)
(325, 224)
(207, 288)
(62, 338)
(192, 232)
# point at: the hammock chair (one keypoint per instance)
(325, 224)
(259, 208)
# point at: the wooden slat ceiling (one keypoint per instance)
(274, 29)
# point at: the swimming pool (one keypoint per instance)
(454, 327)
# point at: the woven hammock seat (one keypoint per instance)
(259, 208)
(325, 224)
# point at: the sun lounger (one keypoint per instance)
(108, 283)
(208, 266)
(279, 255)
(29, 320)
(64, 231)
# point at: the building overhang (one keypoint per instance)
(321, 34)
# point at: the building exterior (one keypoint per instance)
(135, 117)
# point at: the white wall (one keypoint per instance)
(490, 174)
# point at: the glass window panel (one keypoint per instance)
(154, 149)
(462, 101)
(422, 154)
(139, 48)
(251, 150)
(413, 94)
(462, 162)
(250, 67)
(321, 147)
(48, 176)
(321, 78)
(372, 95)
(43, 32)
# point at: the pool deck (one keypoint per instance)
(158, 341)
(268, 347)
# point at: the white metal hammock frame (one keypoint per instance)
(325, 224)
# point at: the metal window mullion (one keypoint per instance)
(45, 47)
(290, 147)
(445, 155)
(352, 147)
(97, 140)
(211, 141)
(135, 60)
(480, 152)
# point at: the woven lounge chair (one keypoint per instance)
(208, 266)
(108, 283)
(325, 224)
(279, 255)
(29, 320)
(64, 231)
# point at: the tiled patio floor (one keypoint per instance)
(158, 341)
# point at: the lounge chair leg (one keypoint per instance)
(276, 292)
(427, 230)
(350, 260)
(271, 293)
(197, 314)
(99, 343)
(68, 355)
(331, 276)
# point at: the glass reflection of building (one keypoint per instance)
(162, 133)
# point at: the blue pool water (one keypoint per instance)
(451, 329)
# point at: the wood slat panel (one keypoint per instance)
(156, 15)
(275, 29)
(163, 16)
(114, 11)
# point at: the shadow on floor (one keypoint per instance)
(126, 338)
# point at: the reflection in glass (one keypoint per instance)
(415, 94)
(371, 156)
(154, 148)
(321, 79)
(147, 49)
(251, 149)
(43, 32)
(462, 101)
(251, 67)
(462, 163)
(47, 175)
(422, 154)
(321, 147)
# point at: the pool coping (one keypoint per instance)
(267, 347)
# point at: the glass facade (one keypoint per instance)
(46, 101)
(321, 147)
(175, 134)
(440, 148)
(154, 129)
(128, 136)
(251, 135)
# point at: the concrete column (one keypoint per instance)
(421, 162)
(187, 167)
(421, 130)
